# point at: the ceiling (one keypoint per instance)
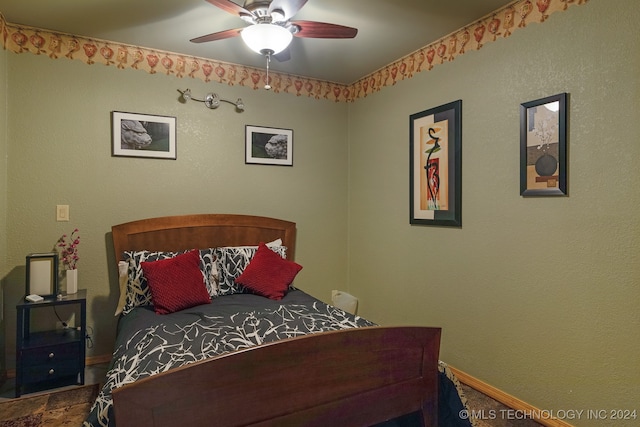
(387, 29)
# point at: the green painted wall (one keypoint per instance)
(3, 201)
(3, 161)
(536, 296)
(60, 153)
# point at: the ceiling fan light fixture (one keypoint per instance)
(247, 18)
(277, 15)
(266, 38)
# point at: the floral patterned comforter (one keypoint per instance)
(148, 344)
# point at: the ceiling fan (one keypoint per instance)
(272, 29)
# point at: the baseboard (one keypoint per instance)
(91, 360)
(507, 400)
(98, 360)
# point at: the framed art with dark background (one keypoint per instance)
(435, 166)
(543, 146)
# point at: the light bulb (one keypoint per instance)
(266, 38)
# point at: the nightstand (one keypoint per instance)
(52, 358)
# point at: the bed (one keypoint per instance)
(249, 355)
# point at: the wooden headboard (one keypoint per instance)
(176, 233)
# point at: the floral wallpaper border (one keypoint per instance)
(500, 24)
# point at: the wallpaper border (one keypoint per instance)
(495, 26)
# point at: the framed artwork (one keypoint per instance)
(435, 166)
(268, 146)
(42, 274)
(543, 146)
(143, 135)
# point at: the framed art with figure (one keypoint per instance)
(143, 135)
(543, 146)
(268, 146)
(435, 166)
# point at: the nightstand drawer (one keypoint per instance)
(37, 373)
(50, 362)
(51, 354)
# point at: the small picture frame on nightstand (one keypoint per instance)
(42, 274)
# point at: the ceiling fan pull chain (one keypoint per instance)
(267, 86)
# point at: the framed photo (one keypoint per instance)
(543, 146)
(42, 274)
(143, 135)
(435, 166)
(268, 146)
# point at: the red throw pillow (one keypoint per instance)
(268, 274)
(176, 283)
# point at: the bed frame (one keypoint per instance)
(354, 377)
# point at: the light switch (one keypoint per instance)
(62, 212)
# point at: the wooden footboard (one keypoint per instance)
(354, 377)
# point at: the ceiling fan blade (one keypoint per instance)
(289, 7)
(283, 56)
(226, 34)
(322, 30)
(231, 7)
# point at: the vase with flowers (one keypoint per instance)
(68, 246)
(546, 130)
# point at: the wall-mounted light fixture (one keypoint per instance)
(211, 100)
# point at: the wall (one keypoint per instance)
(536, 296)
(60, 153)
(3, 199)
(3, 160)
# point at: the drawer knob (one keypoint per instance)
(51, 355)
(51, 371)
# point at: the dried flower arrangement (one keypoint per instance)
(69, 250)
